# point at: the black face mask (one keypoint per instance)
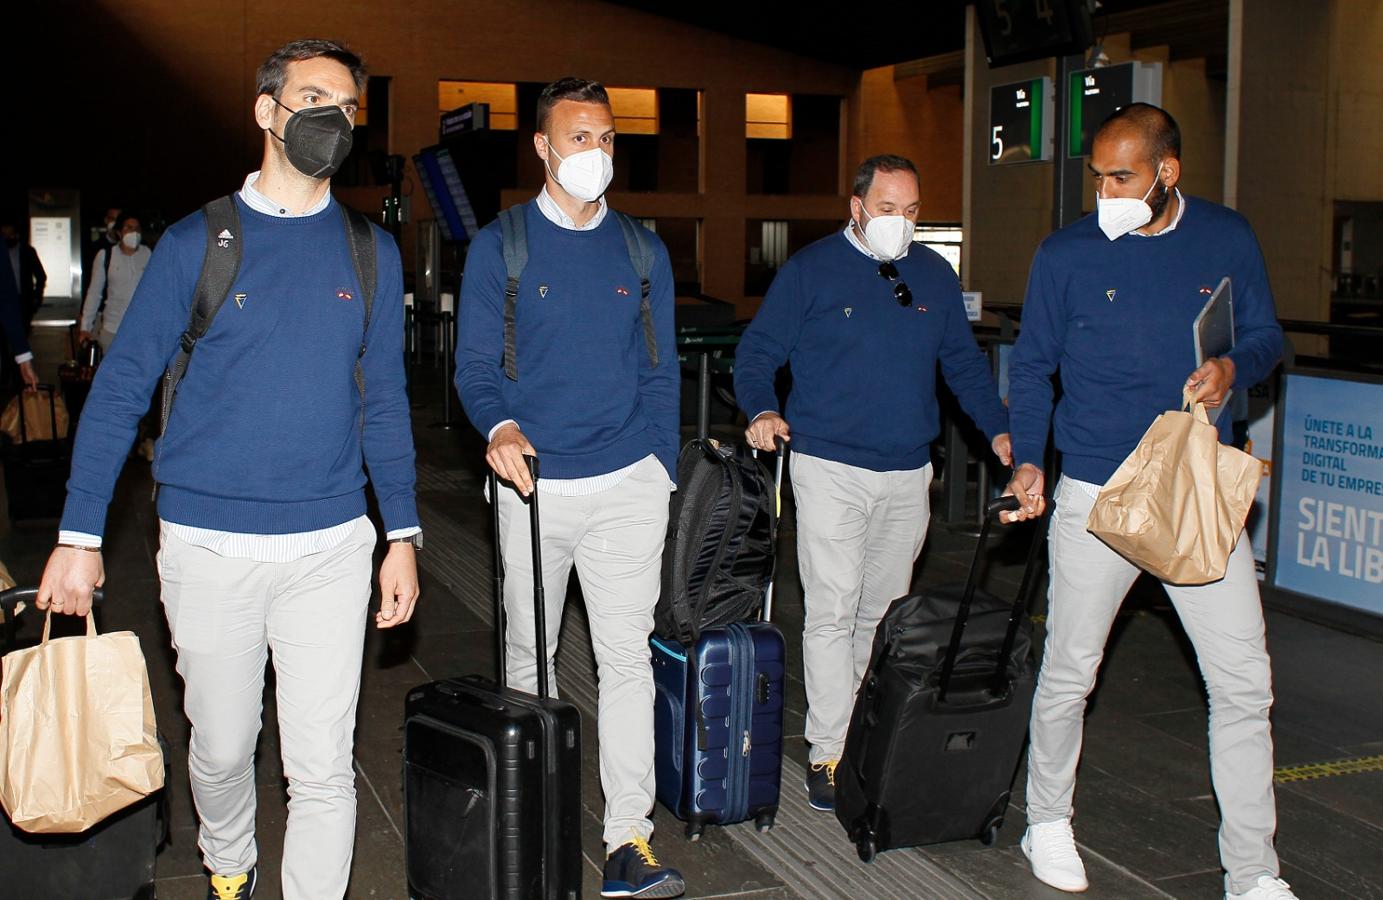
(317, 139)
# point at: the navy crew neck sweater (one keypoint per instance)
(587, 397)
(863, 367)
(267, 435)
(1115, 317)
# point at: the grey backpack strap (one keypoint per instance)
(641, 255)
(219, 268)
(514, 241)
(360, 236)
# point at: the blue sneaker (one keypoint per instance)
(633, 871)
(821, 785)
(232, 887)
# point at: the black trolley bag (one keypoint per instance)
(111, 860)
(36, 471)
(492, 775)
(942, 714)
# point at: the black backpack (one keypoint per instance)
(220, 266)
(722, 530)
(514, 242)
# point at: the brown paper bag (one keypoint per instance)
(77, 734)
(42, 422)
(1177, 504)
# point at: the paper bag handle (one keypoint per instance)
(48, 624)
(1195, 406)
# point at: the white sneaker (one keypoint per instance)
(1051, 848)
(1267, 888)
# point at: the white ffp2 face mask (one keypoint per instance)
(1120, 215)
(888, 236)
(131, 240)
(584, 175)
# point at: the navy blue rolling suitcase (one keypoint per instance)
(718, 720)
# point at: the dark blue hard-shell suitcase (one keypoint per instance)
(719, 732)
(718, 718)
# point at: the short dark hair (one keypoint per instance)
(1157, 128)
(274, 71)
(884, 162)
(127, 216)
(579, 89)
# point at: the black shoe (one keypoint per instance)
(232, 887)
(821, 785)
(633, 871)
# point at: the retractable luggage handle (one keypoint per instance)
(781, 447)
(992, 511)
(539, 600)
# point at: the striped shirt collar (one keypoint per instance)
(854, 239)
(262, 204)
(553, 213)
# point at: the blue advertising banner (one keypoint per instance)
(1330, 530)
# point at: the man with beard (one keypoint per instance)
(264, 540)
(1110, 304)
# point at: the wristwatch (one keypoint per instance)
(415, 539)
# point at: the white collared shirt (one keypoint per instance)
(1176, 220)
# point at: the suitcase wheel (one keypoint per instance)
(865, 846)
(763, 822)
(694, 827)
(990, 836)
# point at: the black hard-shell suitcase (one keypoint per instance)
(492, 776)
(942, 714)
(36, 471)
(112, 860)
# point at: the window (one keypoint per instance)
(635, 109)
(502, 97)
(768, 116)
(944, 239)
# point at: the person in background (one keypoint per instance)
(115, 273)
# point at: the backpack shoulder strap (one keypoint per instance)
(360, 235)
(514, 242)
(105, 286)
(221, 264)
(636, 239)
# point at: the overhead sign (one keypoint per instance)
(1096, 93)
(1020, 122)
(463, 119)
(1330, 510)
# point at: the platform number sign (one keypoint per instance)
(1020, 122)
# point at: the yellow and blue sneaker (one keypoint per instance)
(633, 871)
(232, 887)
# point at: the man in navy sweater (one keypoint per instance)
(863, 317)
(264, 541)
(602, 418)
(1110, 305)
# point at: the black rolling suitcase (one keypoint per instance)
(112, 860)
(942, 714)
(492, 777)
(36, 469)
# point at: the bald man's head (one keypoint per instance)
(1150, 125)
